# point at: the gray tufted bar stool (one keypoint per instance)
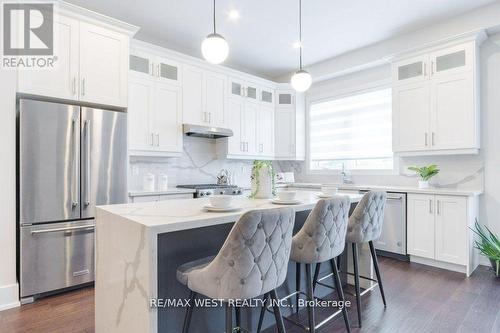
(365, 226)
(252, 262)
(321, 239)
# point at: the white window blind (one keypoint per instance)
(354, 131)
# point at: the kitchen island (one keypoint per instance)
(139, 247)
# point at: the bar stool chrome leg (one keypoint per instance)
(356, 280)
(377, 271)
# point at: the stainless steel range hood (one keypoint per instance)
(206, 131)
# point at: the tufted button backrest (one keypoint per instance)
(323, 235)
(254, 258)
(365, 222)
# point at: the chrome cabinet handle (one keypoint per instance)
(432, 139)
(157, 139)
(74, 202)
(88, 164)
(74, 85)
(152, 139)
(88, 227)
(426, 141)
(430, 206)
(438, 207)
(209, 117)
(432, 67)
(158, 70)
(83, 87)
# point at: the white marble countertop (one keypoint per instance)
(183, 214)
(170, 190)
(407, 189)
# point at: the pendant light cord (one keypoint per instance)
(214, 18)
(300, 34)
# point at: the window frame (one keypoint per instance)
(326, 97)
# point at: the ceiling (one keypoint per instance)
(261, 40)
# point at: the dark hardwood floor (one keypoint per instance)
(420, 299)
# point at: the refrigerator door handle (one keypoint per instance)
(44, 231)
(74, 202)
(87, 160)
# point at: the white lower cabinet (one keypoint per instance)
(155, 118)
(438, 229)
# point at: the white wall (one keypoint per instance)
(8, 284)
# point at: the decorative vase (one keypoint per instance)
(495, 264)
(262, 180)
(423, 184)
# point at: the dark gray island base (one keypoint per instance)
(177, 248)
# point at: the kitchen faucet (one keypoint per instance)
(346, 175)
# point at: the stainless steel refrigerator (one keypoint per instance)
(70, 159)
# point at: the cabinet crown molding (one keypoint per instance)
(477, 36)
(90, 16)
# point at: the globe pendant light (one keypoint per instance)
(214, 48)
(301, 80)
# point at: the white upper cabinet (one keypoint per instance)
(62, 80)
(153, 66)
(154, 117)
(435, 101)
(235, 145)
(91, 66)
(265, 131)
(267, 95)
(103, 65)
(167, 118)
(410, 70)
(289, 125)
(140, 106)
(203, 97)
(411, 117)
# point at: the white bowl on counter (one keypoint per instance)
(220, 201)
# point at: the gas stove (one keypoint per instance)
(206, 190)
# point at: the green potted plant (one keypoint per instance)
(262, 180)
(425, 173)
(489, 245)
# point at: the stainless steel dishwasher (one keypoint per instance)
(392, 241)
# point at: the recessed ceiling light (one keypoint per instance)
(233, 14)
(297, 44)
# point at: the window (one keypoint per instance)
(354, 131)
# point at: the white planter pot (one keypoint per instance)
(423, 184)
(262, 186)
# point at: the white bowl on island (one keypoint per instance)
(287, 195)
(220, 201)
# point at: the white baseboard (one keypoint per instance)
(439, 264)
(9, 296)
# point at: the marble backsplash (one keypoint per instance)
(463, 172)
(197, 165)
